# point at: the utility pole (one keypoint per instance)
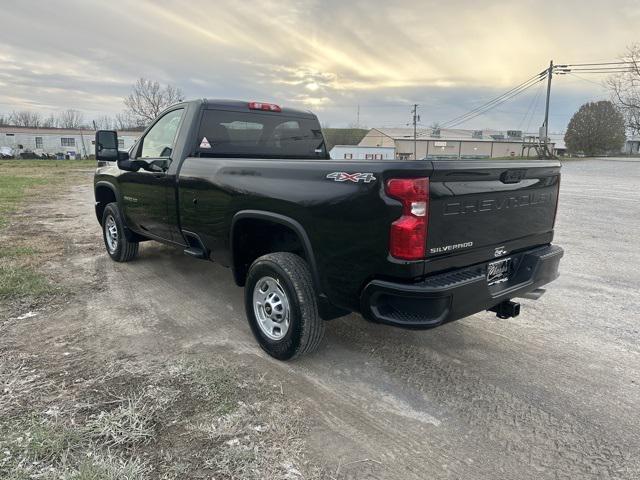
(545, 125)
(358, 117)
(416, 119)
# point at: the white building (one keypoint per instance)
(452, 143)
(632, 145)
(360, 152)
(58, 142)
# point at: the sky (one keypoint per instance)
(329, 56)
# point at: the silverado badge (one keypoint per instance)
(351, 177)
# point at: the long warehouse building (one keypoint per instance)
(56, 142)
(452, 143)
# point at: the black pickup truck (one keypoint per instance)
(250, 185)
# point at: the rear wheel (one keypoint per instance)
(118, 247)
(281, 306)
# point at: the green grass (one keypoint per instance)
(18, 176)
(15, 252)
(12, 191)
(16, 281)
(49, 449)
(47, 164)
(19, 181)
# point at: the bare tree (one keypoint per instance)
(25, 118)
(123, 121)
(50, 121)
(70, 119)
(104, 122)
(4, 120)
(625, 88)
(148, 98)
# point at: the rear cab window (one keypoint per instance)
(224, 133)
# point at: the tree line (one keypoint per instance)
(147, 99)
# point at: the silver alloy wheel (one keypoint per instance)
(111, 233)
(271, 308)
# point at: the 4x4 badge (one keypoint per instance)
(351, 177)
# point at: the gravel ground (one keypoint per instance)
(554, 393)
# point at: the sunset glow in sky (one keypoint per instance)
(329, 56)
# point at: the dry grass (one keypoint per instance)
(172, 422)
(259, 440)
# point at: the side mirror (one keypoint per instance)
(106, 145)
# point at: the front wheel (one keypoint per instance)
(118, 246)
(281, 306)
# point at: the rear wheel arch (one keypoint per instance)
(283, 234)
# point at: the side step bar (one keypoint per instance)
(196, 248)
(195, 253)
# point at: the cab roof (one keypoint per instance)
(243, 106)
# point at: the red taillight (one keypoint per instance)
(408, 237)
(269, 107)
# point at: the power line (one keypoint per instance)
(534, 101)
(495, 101)
(535, 108)
(591, 72)
(586, 79)
(487, 107)
(594, 69)
(595, 64)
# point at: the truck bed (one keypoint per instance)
(472, 211)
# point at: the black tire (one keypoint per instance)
(306, 328)
(123, 250)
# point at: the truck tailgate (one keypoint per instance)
(486, 208)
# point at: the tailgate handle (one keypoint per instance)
(512, 176)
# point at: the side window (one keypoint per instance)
(160, 140)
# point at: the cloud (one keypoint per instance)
(327, 55)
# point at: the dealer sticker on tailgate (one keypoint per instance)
(498, 271)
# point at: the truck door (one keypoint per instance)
(145, 193)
